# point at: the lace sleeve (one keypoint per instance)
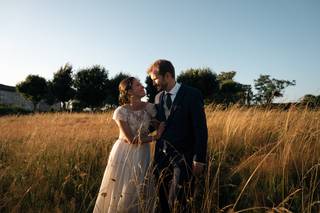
(151, 109)
(119, 114)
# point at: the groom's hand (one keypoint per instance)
(160, 129)
(197, 168)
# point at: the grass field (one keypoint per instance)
(259, 161)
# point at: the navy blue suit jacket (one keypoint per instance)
(186, 132)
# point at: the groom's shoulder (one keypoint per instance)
(157, 97)
(191, 91)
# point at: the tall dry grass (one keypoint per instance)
(259, 161)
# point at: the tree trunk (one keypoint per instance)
(63, 106)
(35, 106)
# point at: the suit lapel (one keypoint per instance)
(161, 108)
(176, 102)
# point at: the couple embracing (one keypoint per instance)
(131, 180)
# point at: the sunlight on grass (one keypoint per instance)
(259, 161)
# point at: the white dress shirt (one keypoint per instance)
(173, 93)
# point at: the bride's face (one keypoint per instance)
(137, 89)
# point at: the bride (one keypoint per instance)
(124, 181)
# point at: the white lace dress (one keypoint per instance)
(124, 187)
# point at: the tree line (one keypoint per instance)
(92, 87)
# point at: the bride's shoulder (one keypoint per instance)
(119, 113)
(120, 109)
(151, 109)
(149, 105)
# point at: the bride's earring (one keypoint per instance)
(130, 95)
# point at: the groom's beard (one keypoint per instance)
(159, 89)
(162, 87)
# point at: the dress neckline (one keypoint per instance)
(138, 110)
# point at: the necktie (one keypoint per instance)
(168, 101)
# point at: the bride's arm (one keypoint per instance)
(147, 138)
(131, 138)
(124, 127)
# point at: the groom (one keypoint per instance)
(180, 153)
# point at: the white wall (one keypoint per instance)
(14, 98)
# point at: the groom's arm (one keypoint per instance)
(156, 104)
(199, 124)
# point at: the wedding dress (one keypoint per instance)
(126, 185)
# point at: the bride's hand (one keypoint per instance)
(155, 123)
(142, 135)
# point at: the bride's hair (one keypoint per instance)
(124, 86)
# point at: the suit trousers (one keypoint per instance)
(175, 183)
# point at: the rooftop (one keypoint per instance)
(7, 88)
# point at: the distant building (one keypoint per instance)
(9, 96)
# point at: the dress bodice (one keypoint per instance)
(138, 120)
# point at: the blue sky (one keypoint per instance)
(276, 37)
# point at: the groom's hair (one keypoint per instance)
(163, 67)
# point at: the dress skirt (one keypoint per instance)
(127, 182)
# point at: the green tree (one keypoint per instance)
(151, 90)
(113, 88)
(34, 88)
(49, 97)
(247, 94)
(225, 76)
(203, 79)
(62, 84)
(91, 85)
(268, 89)
(232, 92)
(311, 100)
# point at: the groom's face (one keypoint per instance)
(159, 81)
